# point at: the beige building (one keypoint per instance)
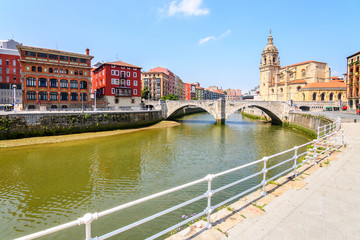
(295, 82)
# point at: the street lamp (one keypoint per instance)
(95, 99)
(148, 101)
(14, 87)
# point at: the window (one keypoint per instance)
(135, 69)
(331, 96)
(73, 84)
(135, 74)
(135, 91)
(64, 83)
(83, 85)
(298, 88)
(7, 62)
(66, 71)
(30, 54)
(54, 96)
(43, 96)
(115, 81)
(128, 74)
(64, 96)
(0, 61)
(7, 79)
(14, 70)
(53, 83)
(73, 59)
(52, 56)
(73, 96)
(80, 73)
(39, 69)
(135, 83)
(31, 95)
(322, 96)
(128, 67)
(83, 60)
(113, 91)
(303, 73)
(33, 69)
(314, 97)
(14, 62)
(115, 72)
(64, 58)
(84, 96)
(55, 70)
(122, 82)
(30, 82)
(51, 70)
(122, 67)
(76, 72)
(0, 69)
(61, 71)
(42, 55)
(122, 74)
(42, 82)
(128, 82)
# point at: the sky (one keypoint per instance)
(212, 42)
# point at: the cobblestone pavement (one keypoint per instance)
(328, 207)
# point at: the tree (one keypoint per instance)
(145, 93)
(195, 98)
(170, 97)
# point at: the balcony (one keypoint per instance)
(122, 76)
(123, 91)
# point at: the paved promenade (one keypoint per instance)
(327, 207)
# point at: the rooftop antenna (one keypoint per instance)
(116, 57)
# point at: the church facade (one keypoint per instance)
(295, 82)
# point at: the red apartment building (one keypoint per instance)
(10, 73)
(117, 83)
(54, 79)
(190, 91)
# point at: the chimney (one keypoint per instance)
(87, 51)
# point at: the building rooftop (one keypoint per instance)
(301, 63)
(325, 85)
(54, 51)
(354, 54)
(9, 51)
(123, 64)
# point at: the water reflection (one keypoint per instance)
(42, 186)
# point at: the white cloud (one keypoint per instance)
(187, 7)
(204, 40)
(221, 36)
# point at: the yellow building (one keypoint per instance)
(296, 82)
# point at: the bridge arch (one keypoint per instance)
(174, 108)
(273, 113)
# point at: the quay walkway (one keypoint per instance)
(328, 207)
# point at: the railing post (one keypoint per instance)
(318, 133)
(342, 137)
(87, 219)
(336, 137)
(265, 159)
(209, 178)
(327, 146)
(295, 159)
(315, 151)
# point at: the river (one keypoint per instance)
(46, 185)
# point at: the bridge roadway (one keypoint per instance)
(221, 109)
(326, 208)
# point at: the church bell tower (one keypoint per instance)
(269, 69)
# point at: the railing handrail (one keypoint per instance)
(322, 144)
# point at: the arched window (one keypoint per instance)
(322, 96)
(73, 84)
(303, 73)
(314, 97)
(30, 82)
(33, 69)
(273, 59)
(42, 82)
(64, 83)
(339, 96)
(51, 70)
(331, 96)
(39, 69)
(264, 60)
(83, 85)
(281, 90)
(298, 88)
(53, 83)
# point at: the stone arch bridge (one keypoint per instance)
(221, 109)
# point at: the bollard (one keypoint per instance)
(354, 120)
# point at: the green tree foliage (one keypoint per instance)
(170, 97)
(145, 93)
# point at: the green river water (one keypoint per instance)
(46, 185)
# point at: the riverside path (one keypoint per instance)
(327, 207)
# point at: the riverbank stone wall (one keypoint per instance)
(23, 125)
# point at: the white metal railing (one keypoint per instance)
(330, 138)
